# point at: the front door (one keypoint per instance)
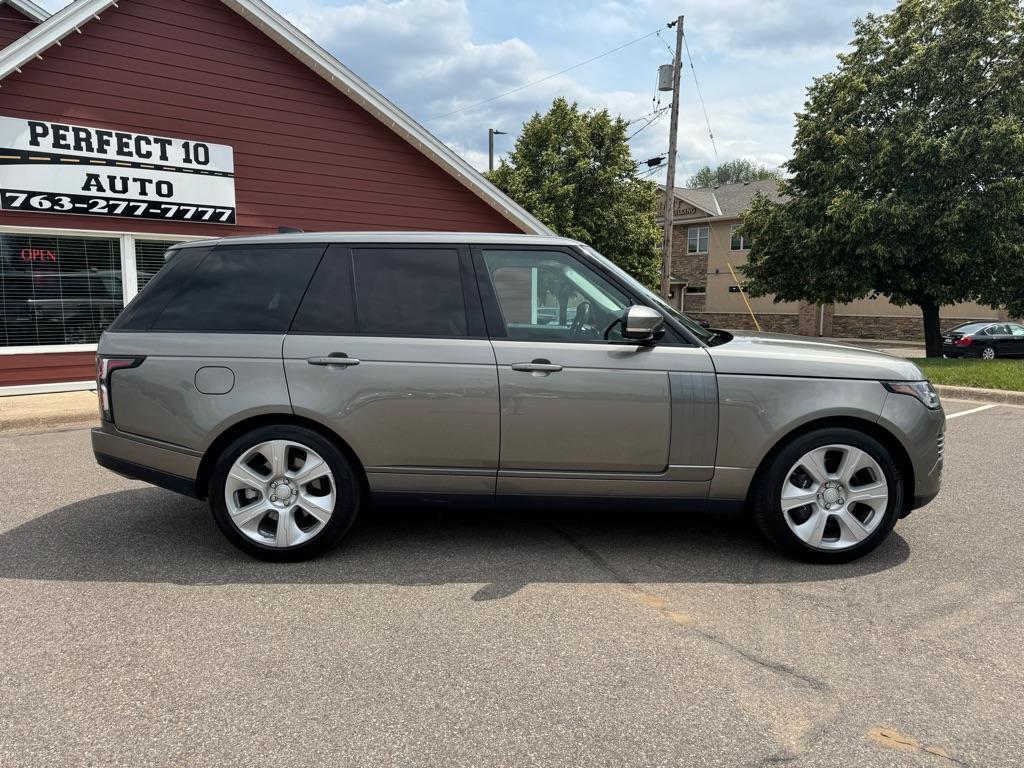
(577, 402)
(389, 349)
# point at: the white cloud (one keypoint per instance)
(754, 58)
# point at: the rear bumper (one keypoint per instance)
(146, 461)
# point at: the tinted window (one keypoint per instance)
(242, 288)
(146, 307)
(409, 292)
(969, 328)
(329, 304)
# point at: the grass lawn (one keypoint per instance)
(990, 374)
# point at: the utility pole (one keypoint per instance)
(491, 133)
(670, 176)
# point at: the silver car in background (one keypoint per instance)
(290, 378)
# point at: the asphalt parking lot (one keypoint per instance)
(133, 634)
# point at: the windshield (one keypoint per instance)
(703, 334)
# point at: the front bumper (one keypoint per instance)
(921, 431)
(145, 460)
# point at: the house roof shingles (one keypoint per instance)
(728, 200)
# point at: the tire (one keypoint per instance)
(988, 353)
(843, 504)
(271, 474)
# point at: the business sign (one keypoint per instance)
(48, 167)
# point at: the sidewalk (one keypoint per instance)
(63, 410)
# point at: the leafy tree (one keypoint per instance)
(908, 168)
(732, 172)
(573, 171)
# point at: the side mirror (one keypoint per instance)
(642, 324)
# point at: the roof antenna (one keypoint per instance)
(290, 230)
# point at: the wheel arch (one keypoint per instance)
(881, 434)
(236, 430)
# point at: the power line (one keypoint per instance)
(700, 96)
(543, 79)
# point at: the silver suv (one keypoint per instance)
(290, 378)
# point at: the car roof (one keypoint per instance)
(460, 238)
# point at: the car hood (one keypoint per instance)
(769, 354)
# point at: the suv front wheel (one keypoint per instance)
(829, 496)
(283, 493)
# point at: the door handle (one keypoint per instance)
(540, 365)
(339, 359)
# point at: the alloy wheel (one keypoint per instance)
(834, 497)
(988, 353)
(280, 493)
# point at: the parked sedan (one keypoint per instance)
(985, 340)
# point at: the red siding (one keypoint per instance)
(13, 24)
(20, 370)
(305, 155)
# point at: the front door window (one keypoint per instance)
(550, 296)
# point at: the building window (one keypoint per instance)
(58, 290)
(739, 243)
(697, 240)
(150, 256)
(696, 289)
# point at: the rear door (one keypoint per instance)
(389, 349)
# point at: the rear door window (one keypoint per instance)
(243, 288)
(409, 292)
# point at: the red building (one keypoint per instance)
(128, 125)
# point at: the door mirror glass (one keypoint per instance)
(642, 324)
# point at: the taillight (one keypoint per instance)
(105, 366)
(963, 341)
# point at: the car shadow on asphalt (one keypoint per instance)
(151, 535)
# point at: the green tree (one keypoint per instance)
(573, 171)
(732, 172)
(907, 177)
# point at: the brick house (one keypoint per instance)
(705, 243)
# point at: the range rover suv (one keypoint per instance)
(291, 378)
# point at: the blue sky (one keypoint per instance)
(754, 60)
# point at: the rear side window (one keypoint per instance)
(146, 307)
(242, 289)
(409, 291)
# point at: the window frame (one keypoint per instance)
(495, 320)
(707, 239)
(475, 325)
(733, 238)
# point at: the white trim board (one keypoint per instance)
(274, 25)
(47, 349)
(45, 389)
(28, 8)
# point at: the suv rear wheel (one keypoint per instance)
(829, 496)
(283, 493)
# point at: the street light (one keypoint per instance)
(491, 133)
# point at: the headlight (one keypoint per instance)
(922, 390)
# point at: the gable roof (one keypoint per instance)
(728, 200)
(28, 8)
(70, 20)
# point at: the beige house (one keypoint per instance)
(707, 250)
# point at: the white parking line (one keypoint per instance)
(967, 413)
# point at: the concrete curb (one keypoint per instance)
(65, 410)
(1001, 396)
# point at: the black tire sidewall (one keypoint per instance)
(768, 509)
(347, 489)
